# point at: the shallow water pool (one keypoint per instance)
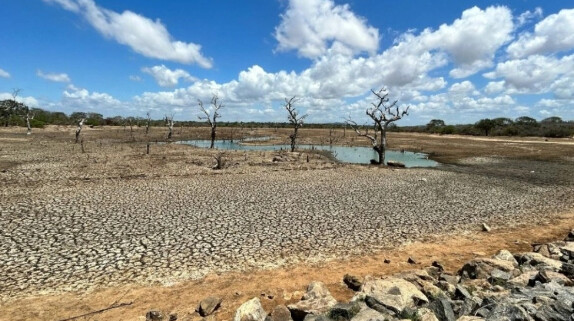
(345, 154)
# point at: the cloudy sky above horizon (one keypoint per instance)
(449, 60)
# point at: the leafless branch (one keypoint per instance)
(211, 119)
(382, 113)
(294, 119)
(169, 124)
(357, 130)
(79, 129)
(113, 306)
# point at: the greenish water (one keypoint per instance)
(345, 154)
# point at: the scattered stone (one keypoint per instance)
(535, 259)
(280, 313)
(438, 265)
(523, 279)
(393, 293)
(429, 289)
(371, 315)
(461, 293)
(412, 260)
(344, 311)
(316, 290)
(387, 261)
(425, 314)
(154, 315)
(208, 305)
(250, 311)
(505, 255)
(543, 250)
(499, 277)
(568, 249)
(434, 272)
(352, 282)
(568, 270)
(508, 311)
(557, 310)
(379, 307)
(316, 301)
(481, 268)
(452, 279)
(447, 287)
(485, 228)
(442, 309)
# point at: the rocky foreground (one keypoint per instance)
(535, 285)
(66, 227)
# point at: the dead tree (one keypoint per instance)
(383, 114)
(169, 124)
(21, 110)
(28, 116)
(211, 119)
(332, 138)
(147, 123)
(295, 120)
(219, 161)
(79, 129)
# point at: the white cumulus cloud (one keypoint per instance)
(494, 87)
(533, 75)
(55, 77)
(145, 36)
(166, 77)
(552, 34)
(27, 100)
(312, 27)
(527, 16)
(81, 98)
(4, 73)
(472, 40)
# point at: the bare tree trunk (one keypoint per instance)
(294, 119)
(211, 118)
(169, 123)
(29, 131)
(147, 123)
(219, 161)
(132, 130)
(383, 145)
(213, 133)
(382, 114)
(293, 138)
(79, 129)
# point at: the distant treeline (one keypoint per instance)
(13, 113)
(521, 126)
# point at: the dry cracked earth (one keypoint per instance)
(63, 228)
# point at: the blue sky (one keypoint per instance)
(459, 61)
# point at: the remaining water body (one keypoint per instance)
(345, 154)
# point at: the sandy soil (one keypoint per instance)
(32, 166)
